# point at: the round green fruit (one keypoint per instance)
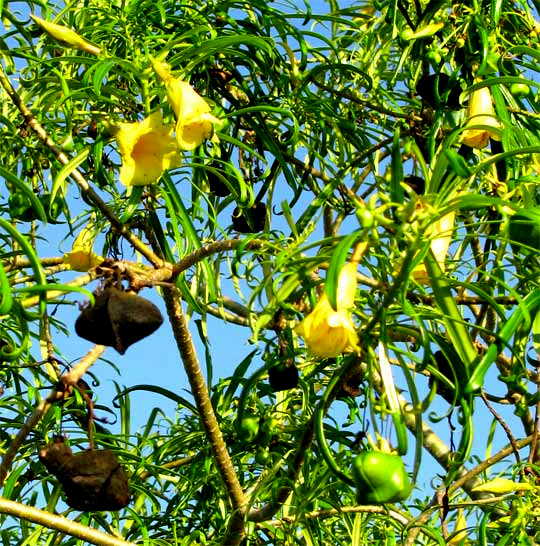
(263, 457)
(249, 428)
(380, 477)
(520, 90)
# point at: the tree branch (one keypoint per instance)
(57, 394)
(202, 399)
(60, 523)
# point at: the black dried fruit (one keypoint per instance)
(416, 183)
(216, 184)
(94, 323)
(118, 319)
(445, 368)
(425, 87)
(257, 214)
(92, 480)
(283, 377)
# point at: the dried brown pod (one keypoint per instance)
(257, 215)
(445, 368)
(118, 319)
(283, 377)
(92, 480)
(351, 382)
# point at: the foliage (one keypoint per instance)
(333, 133)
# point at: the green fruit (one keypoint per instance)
(52, 208)
(248, 429)
(267, 430)
(18, 204)
(434, 57)
(380, 477)
(262, 457)
(520, 90)
(524, 228)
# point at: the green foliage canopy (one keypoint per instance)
(337, 133)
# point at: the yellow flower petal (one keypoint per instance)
(459, 536)
(66, 35)
(441, 237)
(480, 111)
(328, 333)
(147, 149)
(82, 257)
(194, 122)
(347, 283)
(82, 260)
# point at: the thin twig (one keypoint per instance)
(60, 523)
(503, 424)
(338, 512)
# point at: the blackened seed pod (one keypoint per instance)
(94, 324)
(258, 218)
(118, 319)
(283, 377)
(92, 480)
(132, 317)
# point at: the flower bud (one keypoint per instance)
(66, 35)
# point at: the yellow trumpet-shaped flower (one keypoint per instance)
(460, 535)
(480, 111)
(441, 237)
(329, 332)
(147, 149)
(66, 35)
(194, 122)
(82, 256)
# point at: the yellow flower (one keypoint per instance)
(82, 257)
(66, 35)
(459, 536)
(480, 111)
(194, 122)
(147, 149)
(502, 486)
(441, 237)
(329, 332)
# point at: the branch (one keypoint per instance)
(168, 272)
(267, 511)
(59, 523)
(202, 399)
(333, 512)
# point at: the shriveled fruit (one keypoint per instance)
(257, 219)
(118, 319)
(283, 377)
(92, 480)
